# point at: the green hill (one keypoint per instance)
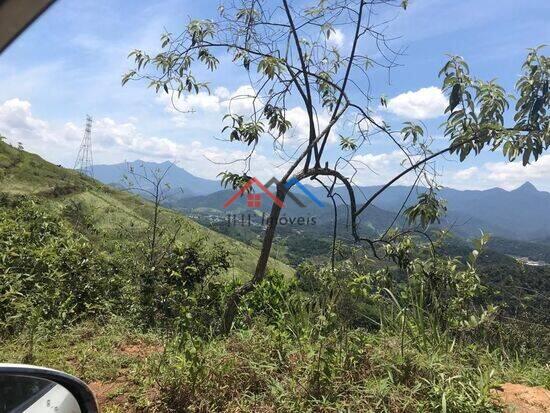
(23, 173)
(75, 295)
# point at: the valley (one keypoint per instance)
(499, 213)
(72, 239)
(263, 206)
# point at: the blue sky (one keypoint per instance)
(70, 62)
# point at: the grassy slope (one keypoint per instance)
(25, 173)
(259, 369)
(130, 371)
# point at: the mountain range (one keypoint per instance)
(178, 178)
(519, 214)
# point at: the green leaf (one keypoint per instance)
(347, 143)
(454, 98)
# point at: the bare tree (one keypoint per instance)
(159, 235)
(287, 52)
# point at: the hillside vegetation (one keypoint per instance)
(417, 332)
(23, 173)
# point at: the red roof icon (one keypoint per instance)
(254, 181)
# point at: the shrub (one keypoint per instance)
(186, 286)
(80, 216)
(267, 301)
(48, 272)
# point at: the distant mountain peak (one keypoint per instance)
(527, 186)
(176, 176)
(142, 162)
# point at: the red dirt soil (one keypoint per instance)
(523, 399)
(107, 393)
(115, 393)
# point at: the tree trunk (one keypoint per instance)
(261, 266)
(149, 276)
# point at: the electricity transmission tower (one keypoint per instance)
(84, 160)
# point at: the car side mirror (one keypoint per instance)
(32, 389)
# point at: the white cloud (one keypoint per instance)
(506, 175)
(243, 100)
(297, 116)
(18, 124)
(181, 107)
(380, 162)
(425, 103)
(239, 101)
(115, 142)
(366, 126)
(374, 169)
(378, 168)
(336, 38)
(299, 132)
(112, 141)
(511, 174)
(222, 92)
(466, 174)
(16, 114)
